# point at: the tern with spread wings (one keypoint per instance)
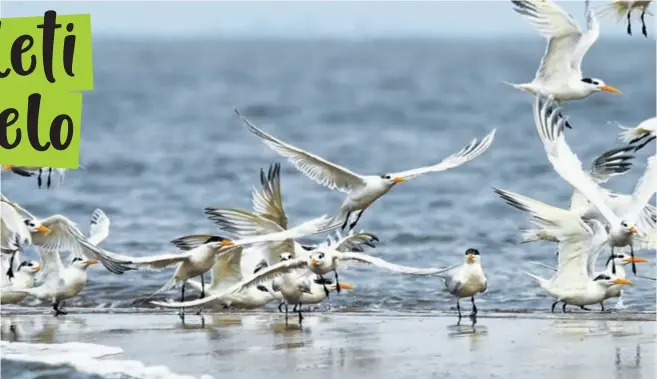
(361, 190)
(55, 233)
(622, 225)
(560, 72)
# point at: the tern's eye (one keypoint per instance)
(588, 80)
(320, 256)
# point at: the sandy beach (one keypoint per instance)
(353, 345)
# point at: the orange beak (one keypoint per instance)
(632, 230)
(346, 286)
(398, 179)
(37, 268)
(7, 167)
(43, 229)
(623, 281)
(470, 258)
(313, 262)
(90, 262)
(608, 88)
(636, 260)
(227, 243)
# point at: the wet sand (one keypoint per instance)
(355, 345)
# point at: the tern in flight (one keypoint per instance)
(622, 225)
(560, 72)
(361, 190)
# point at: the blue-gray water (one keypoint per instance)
(160, 142)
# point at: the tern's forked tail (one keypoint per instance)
(541, 281)
(526, 87)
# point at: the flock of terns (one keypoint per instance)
(263, 261)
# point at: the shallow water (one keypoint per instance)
(160, 143)
(333, 345)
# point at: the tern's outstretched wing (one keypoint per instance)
(65, 236)
(562, 33)
(314, 167)
(550, 124)
(364, 258)
(99, 227)
(265, 275)
(474, 149)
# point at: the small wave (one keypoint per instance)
(76, 360)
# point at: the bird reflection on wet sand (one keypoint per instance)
(384, 345)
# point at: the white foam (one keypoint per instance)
(85, 357)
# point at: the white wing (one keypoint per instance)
(364, 258)
(52, 268)
(227, 271)
(22, 212)
(244, 224)
(265, 275)
(65, 236)
(471, 151)
(156, 262)
(575, 251)
(562, 33)
(354, 242)
(597, 242)
(645, 188)
(268, 202)
(608, 164)
(316, 168)
(543, 265)
(587, 40)
(12, 225)
(556, 221)
(99, 227)
(319, 225)
(550, 125)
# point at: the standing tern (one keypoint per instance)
(466, 280)
(572, 284)
(23, 275)
(620, 260)
(645, 130)
(60, 283)
(622, 228)
(361, 190)
(560, 72)
(621, 10)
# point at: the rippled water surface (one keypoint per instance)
(160, 143)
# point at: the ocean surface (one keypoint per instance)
(160, 142)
